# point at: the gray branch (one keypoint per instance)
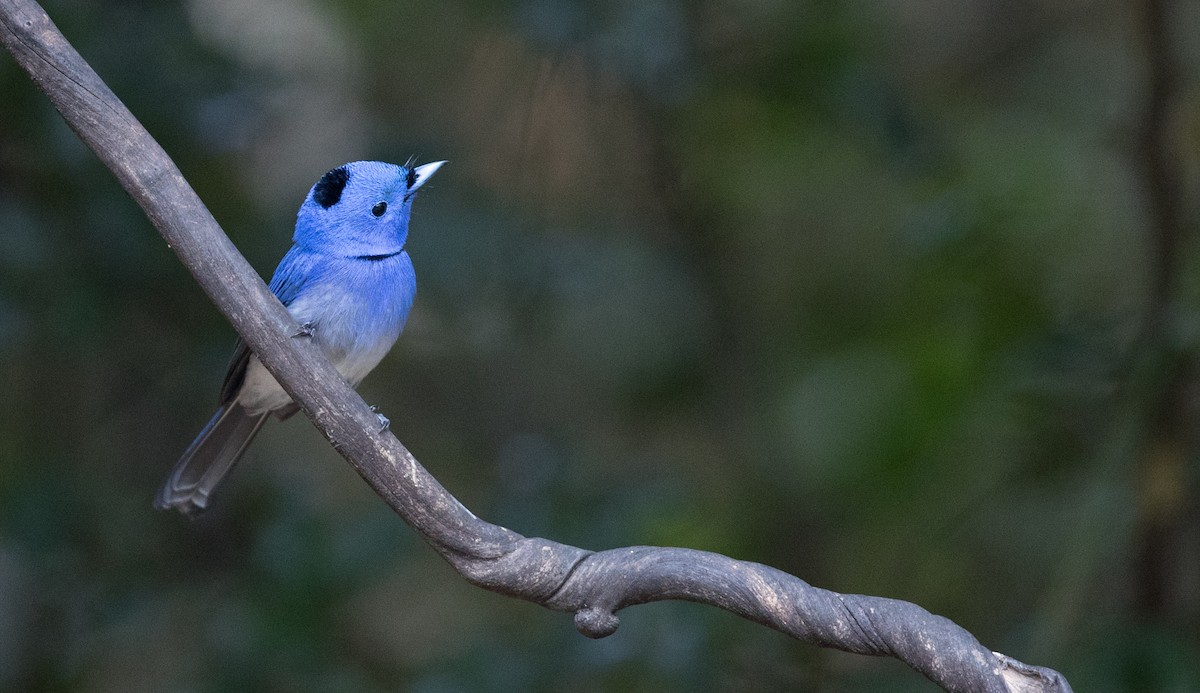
(591, 585)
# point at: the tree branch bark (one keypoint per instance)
(591, 585)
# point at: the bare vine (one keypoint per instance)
(591, 585)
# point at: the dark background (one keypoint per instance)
(898, 297)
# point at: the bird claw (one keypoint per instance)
(384, 422)
(306, 329)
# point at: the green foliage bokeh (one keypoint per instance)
(857, 291)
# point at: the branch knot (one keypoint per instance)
(596, 622)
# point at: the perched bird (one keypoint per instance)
(349, 283)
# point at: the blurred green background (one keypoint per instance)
(900, 298)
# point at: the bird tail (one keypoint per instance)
(209, 458)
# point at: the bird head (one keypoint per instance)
(361, 208)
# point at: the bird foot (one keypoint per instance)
(384, 422)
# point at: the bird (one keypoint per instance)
(349, 283)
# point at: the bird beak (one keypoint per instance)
(423, 173)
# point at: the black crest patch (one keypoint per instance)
(328, 190)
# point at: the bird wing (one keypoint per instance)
(293, 272)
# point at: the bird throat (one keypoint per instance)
(377, 258)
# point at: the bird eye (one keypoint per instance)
(379, 209)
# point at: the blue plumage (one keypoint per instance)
(348, 279)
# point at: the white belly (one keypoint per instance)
(261, 392)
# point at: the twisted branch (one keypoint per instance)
(591, 585)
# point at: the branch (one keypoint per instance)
(1159, 166)
(591, 585)
(1169, 442)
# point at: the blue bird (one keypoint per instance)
(347, 280)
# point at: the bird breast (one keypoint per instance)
(355, 310)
